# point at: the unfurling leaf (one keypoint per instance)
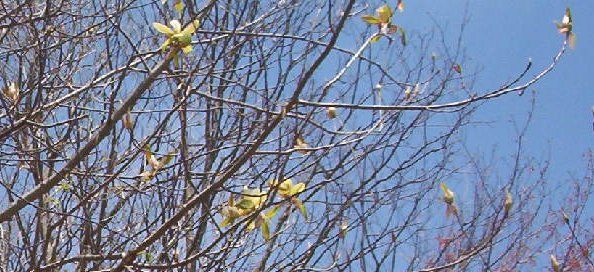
(287, 189)
(227, 221)
(179, 6)
(265, 230)
(176, 37)
(272, 212)
(301, 144)
(297, 202)
(370, 19)
(376, 38)
(448, 195)
(298, 188)
(403, 39)
(163, 28)
(566, 25)
(385, 14)
(150, 158)
(245, 204)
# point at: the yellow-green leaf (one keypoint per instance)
(297, 202)
(179, 6)
(165, 45)
(191, 28)
(376, 38)
(272, 212)
(167, 159)
(162, 28)
(245, 204)
(252, 225)
(385, 14)
(227, 221)
(370, 19)
(298, 188)
(265, 230)
(187, 49)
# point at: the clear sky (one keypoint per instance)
(499, 38)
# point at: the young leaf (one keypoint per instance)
(245, 204)
(402, 36)
(265, 230)
(385, 14)
(298, 188)
(191, 28)
(272, 212)
(187, 49)
(297, 202)
(448, 195)
(370, 19)
(163, 29)
(227, 221)
(179, 6)
(166, 159)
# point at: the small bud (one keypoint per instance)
(12, 91)
(407, 93)
(127, 120)
(400, 6)
(300, 143)
(331, 112)
(565, 217)
(508, 201)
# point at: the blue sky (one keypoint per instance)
(499, 39)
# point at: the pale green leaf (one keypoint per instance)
(272, 212)
(163, 28)
(227, 221)
(179, 6)
(187, 49)
(245, 204)
(300, 206)
(265, 230)
(298, 188)
(370, 19)
(385, 14)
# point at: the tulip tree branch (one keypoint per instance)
(130, 255)
(103, 131)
